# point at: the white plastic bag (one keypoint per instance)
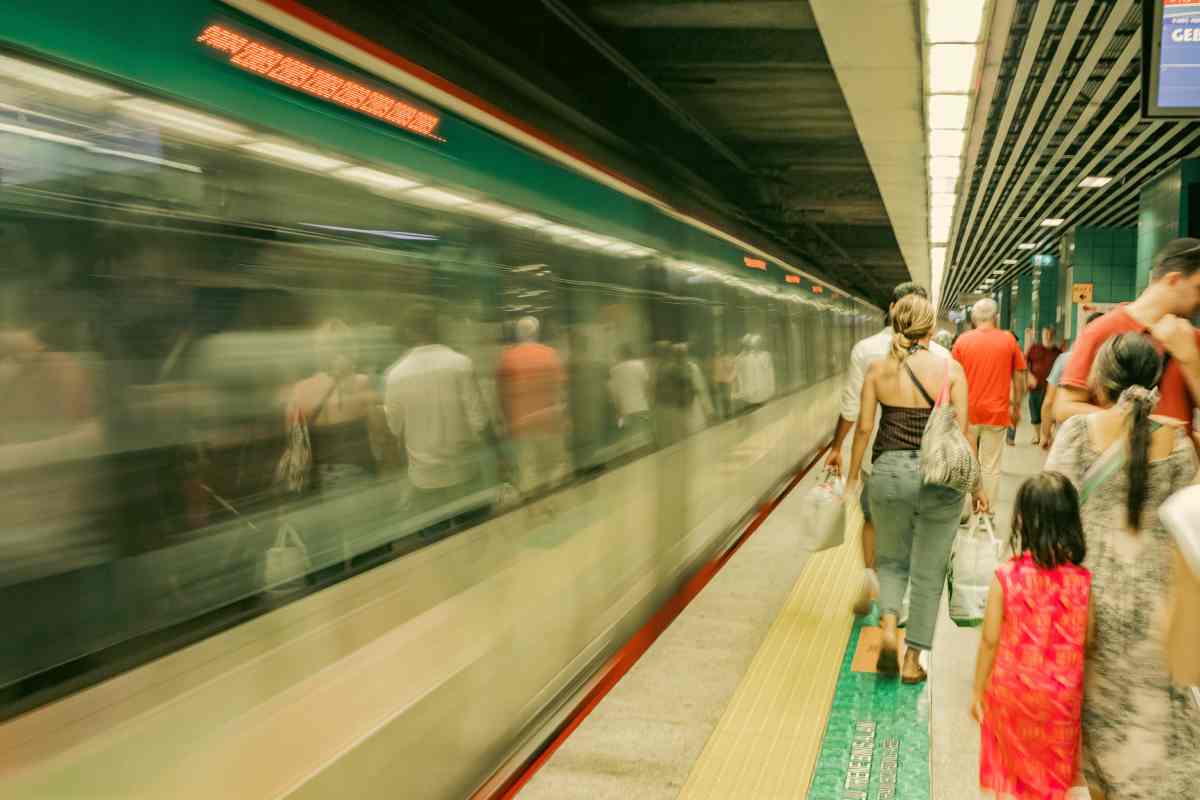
(973, 562)
(826, 503)
(286, 563)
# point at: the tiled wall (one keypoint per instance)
(1107, 258)
(1163, 214)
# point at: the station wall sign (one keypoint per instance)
(1082, 292)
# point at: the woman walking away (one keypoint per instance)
(1029, 675)
(1141, 733)
(915, 522)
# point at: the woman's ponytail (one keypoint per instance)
(912, 321)
(1141, 402)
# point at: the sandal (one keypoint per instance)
(913, 680)
(888, 662)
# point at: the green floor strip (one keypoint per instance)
(876, 744)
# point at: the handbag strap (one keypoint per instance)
(919, 385)
(1107, 465)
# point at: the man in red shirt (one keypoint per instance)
(532, 386)
(1040, 357)
(1161, 311)
(991, 359)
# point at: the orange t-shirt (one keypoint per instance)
(531, 380)
(1176, 402)
(989, 358)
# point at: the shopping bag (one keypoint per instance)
(973, 562)
(826, 502)
(286, 562)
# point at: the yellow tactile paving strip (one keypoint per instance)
(767, 741)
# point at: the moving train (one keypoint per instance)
(254, 542)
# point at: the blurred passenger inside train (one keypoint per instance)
(1141, 733)
(915, 521)
(675, 396)
(435, 411)
(995, 370)
(532, 385)
(629, 383)
(338, 403)
(1040, 357)
(1163, 310)
(754, 373)
(590, 405)
(701, 411)
(724, 372)
(1053, 381)
(50, 433)
(865, 353)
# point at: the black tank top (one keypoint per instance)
(900, 428)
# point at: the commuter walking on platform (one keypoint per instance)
(992, 361)
(1028, 693)
(1040, 357)
(1053, 381)
(915, 521)
(865, 353)
(1161, 310)
(1141, 734)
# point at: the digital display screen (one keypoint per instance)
(1171, 73)
(302, 74)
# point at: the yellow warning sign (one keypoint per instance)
(1081, 292)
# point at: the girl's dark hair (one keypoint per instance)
(1130, 359)
(1046, 521)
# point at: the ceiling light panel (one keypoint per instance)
(951, 68)
(942, 167)
(942, 185)
(953, 20)
(948, 111)
(295, 156)
(1027, 246)
(1053, 222)
(1094, 182)
(947, 143)
(943, 200)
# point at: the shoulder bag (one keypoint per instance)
(946, 456)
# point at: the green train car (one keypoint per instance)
(347, 426)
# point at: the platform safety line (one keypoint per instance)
(620, 664)
(767, 742)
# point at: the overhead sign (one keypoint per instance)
(304, 74)
(1171, 73)
(792, 278)
(754, 263)
(1082, 292)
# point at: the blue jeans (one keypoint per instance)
(915, 524)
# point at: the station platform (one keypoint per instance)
(755, 690)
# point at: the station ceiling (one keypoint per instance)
(1065, 106)
(732, 101)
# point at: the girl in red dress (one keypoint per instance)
(1029, 676)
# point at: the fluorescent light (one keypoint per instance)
(402, 235)
(1027, 246)
(942, 167)
(205, 127)
(526, 221)
(55, 80)
(437, 197)
(162, 162)
(1009, 261)
(375, 179)
(1053, 222)
(953, 20)
(943, 200)
(942, 185)
(47, 136)
(937, 259)
(947, 143)
(490, 210)
(948, 111)
(1094, 182)
(294, 155)
(939, 228)
(951, 68)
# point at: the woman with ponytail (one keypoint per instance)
(1141, 734)
(915, 522)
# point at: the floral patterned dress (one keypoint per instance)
(1141, 735)
(1030, 744)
